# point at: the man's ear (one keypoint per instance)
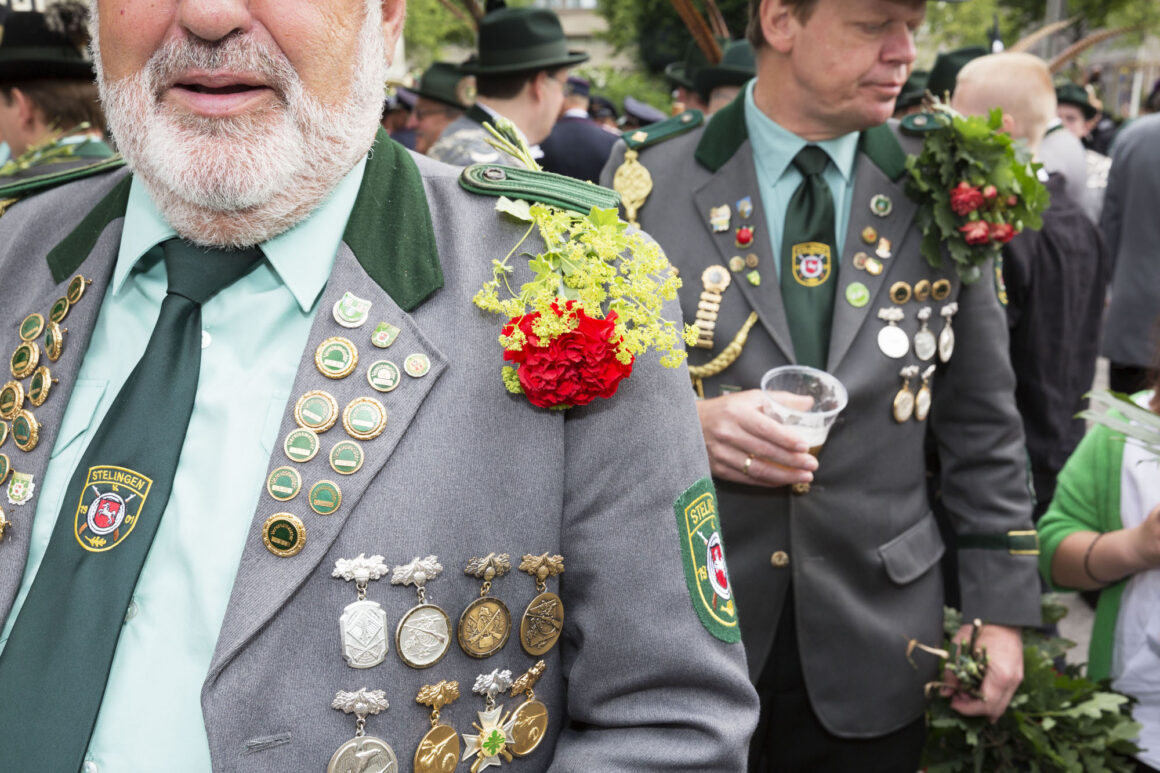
(394, 12)
(26, 111)
(778, 25)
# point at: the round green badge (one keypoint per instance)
(25, 431)
(336, 357)
(3, 432)
(881, 205)
(59, 310)
(42, 381)
(301, 445)
(76, 288)
(346, 458)
(53, 341)
(325, 497)
(736, 263)
(11, 399)
(5, 467)
(365, 418)
(284, 483)
(417, 365)
(383, 376)
(316, 410)
(31, 327)
(24, 359)
(284, 535)
(857, 294)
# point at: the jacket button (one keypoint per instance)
(780, 559)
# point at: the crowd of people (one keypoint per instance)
(218, 244)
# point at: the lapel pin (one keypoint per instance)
(324, 497)
(745, 207)
(744, 236)
(719, 218)
(869, 234)
(20, 488)
(881, 205)
(284, 535)
(31, 327)
(351, 311)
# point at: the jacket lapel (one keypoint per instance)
(878, 171)
(397, 269)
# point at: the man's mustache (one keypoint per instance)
(238, 54)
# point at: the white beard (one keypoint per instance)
(236, 182)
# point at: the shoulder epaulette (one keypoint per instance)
(919, 123)
(542, 187)
(636, 139)
(15, 190)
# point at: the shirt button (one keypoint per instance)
(90, 767)
(130, 613)
(780, 559)
(206, 339)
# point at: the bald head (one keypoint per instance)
(1018, 83)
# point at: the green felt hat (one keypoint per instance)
(682, 72)
(443, 82)
(737, 66)
(946, 69)
(45, 46)
(515, 40)
(1073, 94)
(913, 90)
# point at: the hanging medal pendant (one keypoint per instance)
(892, 339)
(904, 400)
(922, 400)
(543, 620)
(363, 625)
(438, 751)
(491, 748)
(424, 633)
(485, 625)
(529, 722)
(363, 752)
(925, 344)
(946, 336)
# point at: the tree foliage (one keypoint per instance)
(655, 27)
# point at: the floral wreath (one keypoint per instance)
(975, 187)
(592, 306)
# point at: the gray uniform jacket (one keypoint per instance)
(861, 548)
(464, 142)
(463, 469)
(1132, 232)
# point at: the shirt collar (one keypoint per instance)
(575, 112)
(774, 147)
(302, 256)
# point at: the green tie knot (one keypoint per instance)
(199, 273)
(811, 160)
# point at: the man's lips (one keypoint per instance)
(886, 89)
(218, 95)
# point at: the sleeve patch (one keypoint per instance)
(703, 554)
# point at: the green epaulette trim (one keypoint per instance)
(663, 130)
(920, 123)
(556, 190)
(1017, 543)
(20, 188)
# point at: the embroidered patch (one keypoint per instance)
(109, 507)
(811, 263)
(703, 554)
(1000, 283)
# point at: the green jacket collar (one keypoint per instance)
(401, 256)
(726, 132)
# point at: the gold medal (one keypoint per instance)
(900, 292)
(529, 722)
(284, 535)
(32, 327)
(76, 288)
(423, 636)
(316, 410)
(543, 620)
(363, 752)
(365, 418)
(59, 310)
(25, 431)
(11, 399)
(634, 183)
(904, 400)
(438, 752)
(41, 383)
(940, 290)
(54, 340)
(922, 290)
(485, 625)
(336, 357)
(25, 359)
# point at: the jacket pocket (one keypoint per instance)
(909, 555)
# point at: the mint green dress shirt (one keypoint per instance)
(253, 335)
(774, 149)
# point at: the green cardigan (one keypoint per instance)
(1087, 498)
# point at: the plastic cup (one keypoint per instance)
(812, 424)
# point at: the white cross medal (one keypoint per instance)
(363, 625)
(490, 747)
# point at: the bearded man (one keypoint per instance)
(188, 523)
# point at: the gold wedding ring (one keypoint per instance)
(748, 462)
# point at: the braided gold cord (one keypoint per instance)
(723, 360)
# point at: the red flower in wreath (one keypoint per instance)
(1002, 232)
(573, 368)
(965, 199)
(976, 232)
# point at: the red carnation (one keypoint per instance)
(990, 192)
(573, 368)
(1012, 200)
(976, 232)
(1000, 232)
(965, 199)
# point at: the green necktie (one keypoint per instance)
(809, 262)
(55, 665)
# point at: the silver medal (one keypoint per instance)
(363, 624)
(892, 340)
(424, 633)
(946, 337)
(363, 753)
(923, 399)
(925, 344)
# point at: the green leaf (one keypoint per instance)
(518, 208)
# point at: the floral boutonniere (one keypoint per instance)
(975, 189)
(593, 304)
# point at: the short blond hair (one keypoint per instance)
(1018, 83)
